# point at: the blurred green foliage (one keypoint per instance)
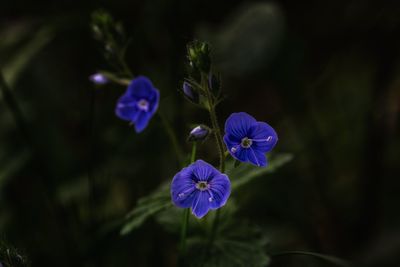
(324, 74)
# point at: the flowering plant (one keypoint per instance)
(214, 235)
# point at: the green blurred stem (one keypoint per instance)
(327, 258)
(14, 108)
(112, 77)
(185, 223)
(193, 156)
(172, 136)
(185, 219)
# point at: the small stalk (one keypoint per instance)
(185, 218)
(214, 123)
(221, 150)
(172, 137)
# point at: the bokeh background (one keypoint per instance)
(324, 74)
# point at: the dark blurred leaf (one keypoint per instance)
(147, 207)
(245, 173)
(10, 166)
(249, 39)
(25, 54)
(238, 244)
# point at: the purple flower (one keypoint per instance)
(248, 140)
(139, 103)
(201, 187)
(98, 78)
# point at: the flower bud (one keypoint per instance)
(199, 56)
(98, 78)
(214, 83)
(199, 133)
(190, 93)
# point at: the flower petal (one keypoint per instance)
(257, 157)
(126, 108)
(239, 125)
(154, 100)
(141, 87)
(142, 120)
(264, 137)
(220, 188)
(203, 171)
(201, 204)
(183, 188)
(230, 141)
(240, 153)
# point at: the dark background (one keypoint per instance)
(324, 74)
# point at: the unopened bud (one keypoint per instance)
(190, 93)
(98, 78)
(199, 133)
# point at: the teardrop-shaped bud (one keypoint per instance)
(199, 133)
(190, 93)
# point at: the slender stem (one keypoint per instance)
(193, 156)
(185, 218)
(172, 137)
(112, 77)
(221, 150)
(185, 222)
(215, 125)
(327, 258)
(15, 109)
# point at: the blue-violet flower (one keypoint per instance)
(201, 187)
(98, 78)
(248, 140)
(139, 103)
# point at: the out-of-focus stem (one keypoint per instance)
(185, 219)
(14, 109)
(172, 136)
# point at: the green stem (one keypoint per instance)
(327, 258)
(193, 156)
(112, 77)
(221, 150)
(172, 137)
(185, 218)
(214, 123)
(182, 252)
(15, 109)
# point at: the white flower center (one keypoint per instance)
(143, 104)
(246, 142)
(202, 185)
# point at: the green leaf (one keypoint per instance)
(236, 164)
(323, 257)
(236, 245)
(245, 173)
(26, 53)
(146, 207)
(12, 165)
